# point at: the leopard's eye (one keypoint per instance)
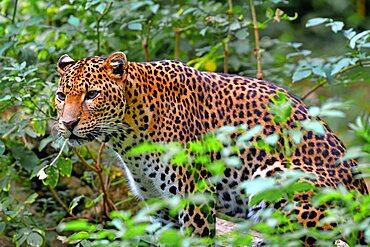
(61, 96)
(92, 94)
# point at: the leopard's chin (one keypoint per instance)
(74, 140)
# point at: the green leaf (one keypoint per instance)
(272, 139)
(25, 157)
(146, 148)
(250, 133)
(342, 63)
(336, 26)
(101, 8)
(357, 37)
(65, 166)
(317, 21)
(301, 74)
(31, 199)
(296, 135)
(241, 34)
(180, 158)
(2, 147)
(79, 236)
(314, 111)
(154, 8)
(269, 196)
(258, 185)
(5, 98)
(53, 176)
(39, 126)
(77, 225)
(74, 202)
(44, 142)
(315, 126)
(135, 26)
(21, 236)
(299, 187)
(233, 161)
(235, 25)
(5, 183)
(35, 239)
(74, 21)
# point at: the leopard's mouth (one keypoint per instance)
(75, 140)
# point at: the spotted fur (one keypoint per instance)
(124, 103)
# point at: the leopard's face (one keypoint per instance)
(90, 97)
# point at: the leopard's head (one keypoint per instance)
(90, 97)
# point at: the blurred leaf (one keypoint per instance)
(52, 176)
(44, 142)
(135, 26)
(2, 147)
(25, 157)
(357, 37)
(79, 236)
(317, 21)
(301, 74)
(77, 225)
(35, 239)
(31, 199)
(272, 139)
(74, 21)
(315, 126)
(74, 202)
(336, 26)
(101, 8)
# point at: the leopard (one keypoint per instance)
(124, 103)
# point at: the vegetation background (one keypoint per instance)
(317, 49)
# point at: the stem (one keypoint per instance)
(14, 11)
(59, 200)
(360, 8)
(177, 43)
(146, 41)
(228, 37)
(83, 161)
(107, 204)
(256, 37)
(98, 25)
(322, 83)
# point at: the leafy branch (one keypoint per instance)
(324, 81)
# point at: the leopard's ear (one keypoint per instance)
(116, 64)
(63, 63)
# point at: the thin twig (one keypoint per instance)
(98, 25)
(228, 37)
(83, 161)
(14, 11)
(107, 204)
(256, 37)
(322, 83)
(59, 200)
(177, 43)
(41, 110)
(145, 41)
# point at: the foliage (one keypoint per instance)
(84, 183)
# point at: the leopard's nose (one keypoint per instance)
(71, 124)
